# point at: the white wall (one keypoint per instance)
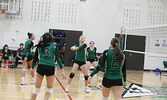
(38, 16)
(102, 19)
(140, 13)
(99, 20)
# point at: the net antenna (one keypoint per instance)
(122, 37)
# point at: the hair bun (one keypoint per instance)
(29, 34)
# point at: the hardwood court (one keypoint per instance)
(10, 88)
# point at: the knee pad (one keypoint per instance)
(72, 75)
(50, 90)
(36, 90)
(86, 77)
(24, 69)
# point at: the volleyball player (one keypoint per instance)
(113, 75)
(46, 66)
(80, 61)
(27, 58)
(91, 58)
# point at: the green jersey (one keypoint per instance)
(80, 53)
(47, 55)
(113, 69)
(91, 54)
(28, 48)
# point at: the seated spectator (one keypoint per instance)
(19, 54)
(5, 56)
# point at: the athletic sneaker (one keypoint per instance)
(86, 90)
(67, 89)
(23, 83)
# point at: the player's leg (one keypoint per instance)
(85, 72)
(94, 64)
(117, 91)
(24, 71)
(105, 92)
(71, 76)
(49, 90)
(30, 61)
(88, 65)
(37, 87)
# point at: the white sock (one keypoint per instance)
(104, 98)
(86, 87)
(68, 86)
(23, 79)
(33, 78)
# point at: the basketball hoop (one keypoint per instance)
(3, 10)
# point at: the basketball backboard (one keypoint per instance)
(12, 6)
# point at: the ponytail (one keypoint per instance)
(44, 41)
(117, 51)
(29, 35)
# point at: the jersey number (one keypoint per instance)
(114, 63)
(46, 52)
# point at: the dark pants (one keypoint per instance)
(16, 62)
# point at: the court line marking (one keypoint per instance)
(63, 88)
(52, 93)
(83, 83)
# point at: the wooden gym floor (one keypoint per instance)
(10, 88)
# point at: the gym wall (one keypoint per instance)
(98, 19)
(38, 16)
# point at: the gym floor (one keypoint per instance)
(12, 90)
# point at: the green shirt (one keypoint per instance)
(113, 69)
(80, 53)
(47, 57)
(28, 48)
(91, 53)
